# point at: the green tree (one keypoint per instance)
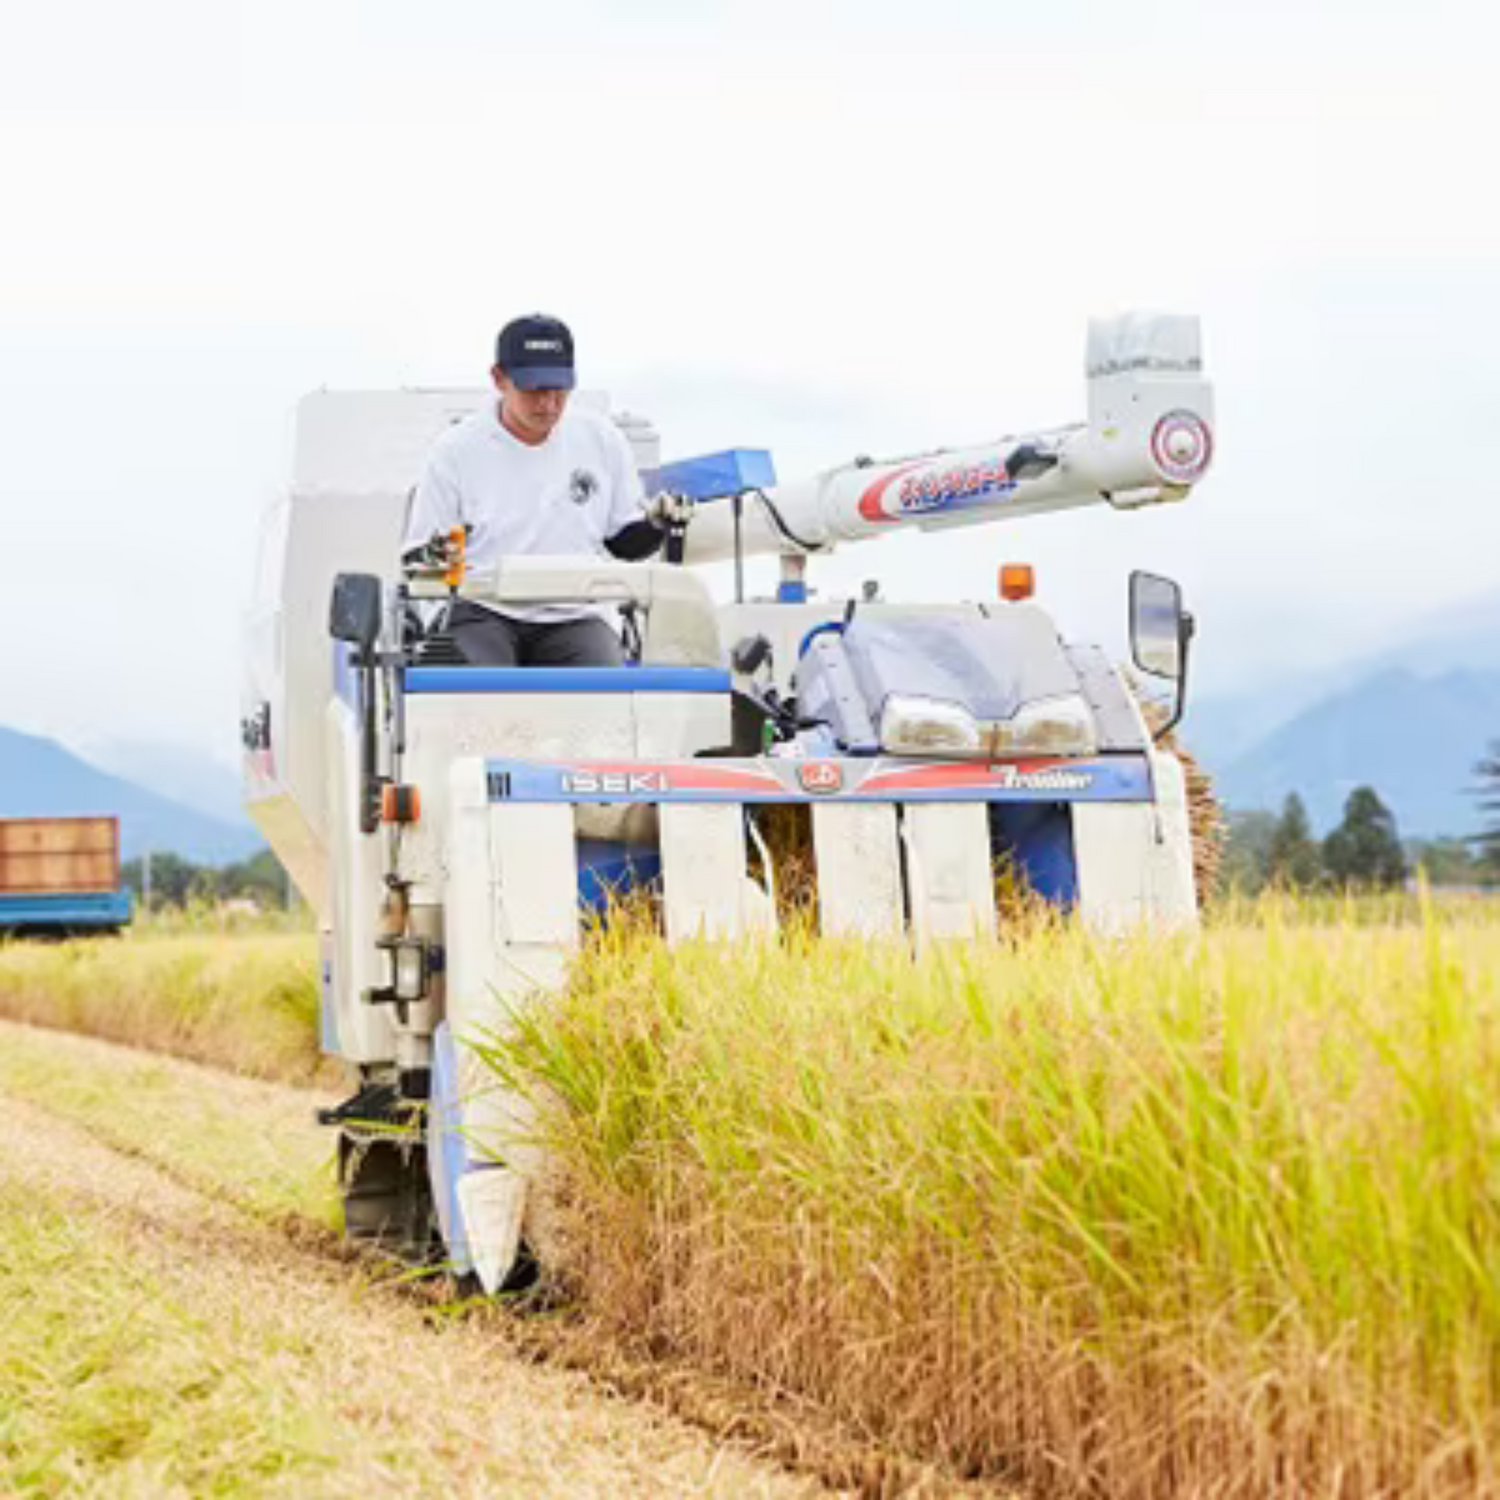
(1487, 841)
(173, 879)
(1247, 850)
(1294, 852)
(262, 878)
(1447, 861)
(1365, 849)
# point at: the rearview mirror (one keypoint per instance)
(1160, 629)
(1156, 625)
(354, 610)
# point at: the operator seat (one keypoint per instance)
(671, 609)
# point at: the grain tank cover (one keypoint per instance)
(991, 666)
(991, 671)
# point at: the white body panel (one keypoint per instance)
(444, 727)
(706, 891)
(858, 855)
(443, 730)
(950, 877)
(513, 899)
(290, 671)
(1135, 859)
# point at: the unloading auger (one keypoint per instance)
(452, 825)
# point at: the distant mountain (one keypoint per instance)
(39, 778)
(1465, 637)
(176, 772)
(1414, 738)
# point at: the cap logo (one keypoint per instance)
(550, 346)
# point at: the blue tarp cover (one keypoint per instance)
(713, 476)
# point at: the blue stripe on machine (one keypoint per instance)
(566, 680)
(1110, 778)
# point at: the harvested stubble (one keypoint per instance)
(165, 1336)
(247, 1003)
(1209, 1216)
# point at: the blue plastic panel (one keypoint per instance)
(1038, 836)
(608, 870)
(566, 680)
(106, 911)
(713, 476)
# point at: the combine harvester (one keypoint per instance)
(452, 824)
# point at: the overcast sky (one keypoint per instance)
(823, 228)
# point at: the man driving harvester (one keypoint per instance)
(532, 476)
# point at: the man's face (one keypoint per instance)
(530, 415)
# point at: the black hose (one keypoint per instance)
(779, 521)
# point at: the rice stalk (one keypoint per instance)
(1141, 1218)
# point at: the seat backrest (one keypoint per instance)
(682, 625)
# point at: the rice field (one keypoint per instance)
(246, 1001)
(1203, 1216)
(1213, 1215)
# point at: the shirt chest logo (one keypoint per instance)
(582, 486)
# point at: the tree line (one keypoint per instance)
(1366, 849)
(175, 881)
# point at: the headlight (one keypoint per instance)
(409, 969)
(929, 726)
(934, 726)
(1048, 726)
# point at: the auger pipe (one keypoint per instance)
(1148, 439)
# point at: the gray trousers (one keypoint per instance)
(486, 639)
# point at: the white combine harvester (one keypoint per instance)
(451, 824)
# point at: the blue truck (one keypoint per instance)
(60, 877)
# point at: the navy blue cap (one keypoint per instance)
(537, 353)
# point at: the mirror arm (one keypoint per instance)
(354, 617)
(369, 779)
(1184, 636)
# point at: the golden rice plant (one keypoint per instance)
(248, 1003)
(1209, 1214)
